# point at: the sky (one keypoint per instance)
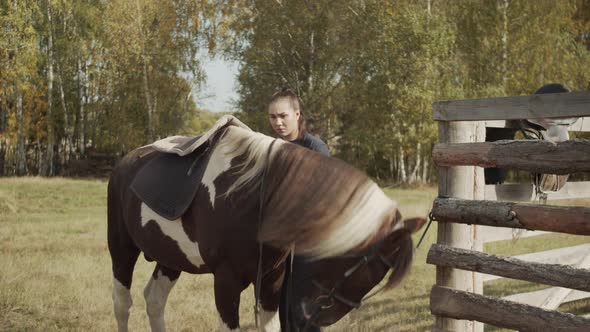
(221, 85)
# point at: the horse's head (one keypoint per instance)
(326, 290)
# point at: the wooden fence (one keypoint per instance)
(470, 213)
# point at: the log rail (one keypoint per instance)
(562, 219)
(528, 155)
(448, 302)
(549, 274)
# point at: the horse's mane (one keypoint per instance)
(252, 148)
(322, 205)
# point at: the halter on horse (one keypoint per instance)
(329, 211)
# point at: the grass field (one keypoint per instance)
(55, 268)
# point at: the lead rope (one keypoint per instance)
(430, 219)
(259, 270)
(289, 288)
(258, 285)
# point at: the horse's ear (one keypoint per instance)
(414, 224)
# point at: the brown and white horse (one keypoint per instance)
(325, 209)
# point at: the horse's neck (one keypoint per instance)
(325, 205)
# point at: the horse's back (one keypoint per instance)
(125, 170)
(119, 182)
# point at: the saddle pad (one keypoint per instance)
(182, 145)
(168, 183)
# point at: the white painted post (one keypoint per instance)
(465, 182)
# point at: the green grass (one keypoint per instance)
(55, 273)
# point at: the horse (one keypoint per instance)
(260, 200)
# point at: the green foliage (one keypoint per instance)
(118, 74)
(106, 75)
(202, 121)
(19, 58)
(369, 71)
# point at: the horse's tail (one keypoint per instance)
(401, 261)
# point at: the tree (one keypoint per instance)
(300, 44)
(19, 58)
(152, 66)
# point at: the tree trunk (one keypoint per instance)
(2, 156)
(402, 166)
(21, 155)
(46, 168)
(505, 45)
(96, 97)
(82, 96)
(67, 143)
(146, 85)
(425, 170)
(414, 176)
(391, 167)
(148, 102)
(311, 66)
(67, 123)
(3, 112)
(310, 84)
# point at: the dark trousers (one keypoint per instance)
(294, 324)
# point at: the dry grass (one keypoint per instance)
(56, 276)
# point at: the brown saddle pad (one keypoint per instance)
(168, 183)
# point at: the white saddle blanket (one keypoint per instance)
(184, 145)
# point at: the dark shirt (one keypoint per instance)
(313, 143)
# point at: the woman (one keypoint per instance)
(285, 114)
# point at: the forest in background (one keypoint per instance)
(88, 80)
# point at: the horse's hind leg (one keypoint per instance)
(124, 255)
(123, 263)
(156, 293)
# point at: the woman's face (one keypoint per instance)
(284, 119)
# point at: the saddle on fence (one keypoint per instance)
(168, 183)
(553, 130)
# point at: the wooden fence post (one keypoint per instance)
(466, 182)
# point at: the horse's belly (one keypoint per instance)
(166, 242)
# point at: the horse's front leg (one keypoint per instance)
(156, 294)
(228, 288)
(270, 294)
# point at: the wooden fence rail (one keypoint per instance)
(528, 155)
(563, 219)
(549, 274)
(456, 304)
(570, 104)
(565, 256)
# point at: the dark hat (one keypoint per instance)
(552, 88)
(554, 130)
